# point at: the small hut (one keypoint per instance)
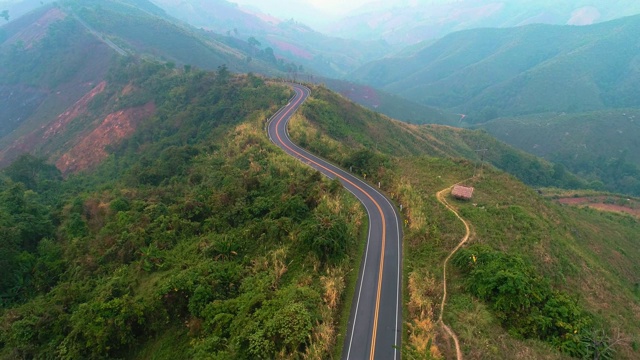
(462, 192)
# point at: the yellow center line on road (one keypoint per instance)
(384, 222)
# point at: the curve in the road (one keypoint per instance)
(375, 321)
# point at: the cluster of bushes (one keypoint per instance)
(526, 304)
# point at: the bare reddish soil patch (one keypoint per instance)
(600, 203)
(79, 108)
(285, 46)
(92, 149)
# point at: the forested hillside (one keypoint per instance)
(600, 146)
(195, 237)
(487, 73)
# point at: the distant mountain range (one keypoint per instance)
(487, 73)
(412, 21)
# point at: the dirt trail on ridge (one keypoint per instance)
(441, 198)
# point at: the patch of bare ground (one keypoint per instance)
(603, 203)
(79, 108)
(91, 150)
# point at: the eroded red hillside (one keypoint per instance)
(92, 149)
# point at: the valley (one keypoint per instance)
(204, 180)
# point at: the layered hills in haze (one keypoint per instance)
(567, 93)
(410, 21)
(325, 55)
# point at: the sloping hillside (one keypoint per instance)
(488, 73)
(393, 106)
(601, 146)
(47, 63)
(537, 280)
(348, 124)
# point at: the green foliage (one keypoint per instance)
(523, 301)
(25, 220)
(34, 173)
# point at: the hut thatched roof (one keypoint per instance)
(462, 192)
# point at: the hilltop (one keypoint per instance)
(487, 73)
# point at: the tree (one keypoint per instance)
(33, 172)
(5, 14)
(253, 42)
(223, 73)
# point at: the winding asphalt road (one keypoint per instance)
(375, 324)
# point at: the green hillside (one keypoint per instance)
(486, 73)
(349, 124)
(548, 281)
(196, 237)
(601, 146)
(385, 103)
